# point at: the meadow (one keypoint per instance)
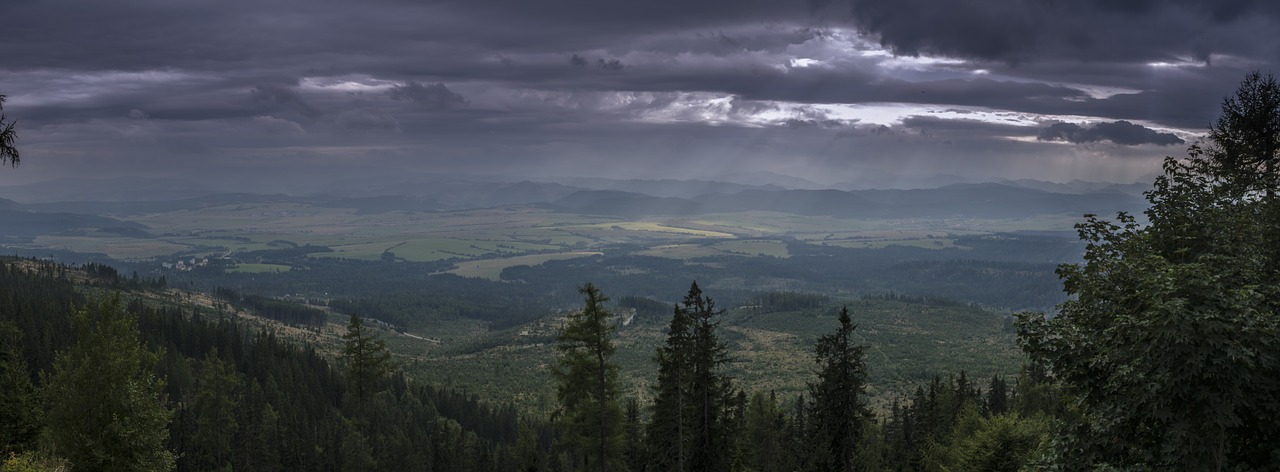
(482, 242)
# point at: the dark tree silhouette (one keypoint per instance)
(8, 152)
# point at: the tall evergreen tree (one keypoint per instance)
(763, 433)
(839, 407)
(106, 406)
(635, 437)
(366, 356)
(668, 432)
(587, 386)
(216, 399)
(710, 389)
(997, 396)
(8, 152)
(19, 407)
(1246, 136)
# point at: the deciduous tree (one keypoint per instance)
(1168, 348)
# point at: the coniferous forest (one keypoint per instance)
(1166, 356)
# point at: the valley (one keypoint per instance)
(471, 298)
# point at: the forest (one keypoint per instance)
(1162, 356)
(200, 391)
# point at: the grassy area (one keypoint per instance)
(746, 247)
(482, 234)
(117, 247)
(935, 243)
(906, 344)
(260, 268)
(682, 251)
(755, 247)
(655, 227)
(491, 268)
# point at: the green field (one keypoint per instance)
(491, 268)
(482, 234)
(259, 268)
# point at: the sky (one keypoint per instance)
(872, 92)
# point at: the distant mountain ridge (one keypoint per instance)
(960, 200)
(638, 197)
(19, 224)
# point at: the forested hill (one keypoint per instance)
(175, 388)
(181, 385)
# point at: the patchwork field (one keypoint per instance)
(482, 242)
(491, 268)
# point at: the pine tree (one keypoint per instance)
(106, 406)
(1246, 136)
(367, 357)
(587, 386)
(216, 400)
(997, 396)
(710, 390)
(763, 433)
(8, 152)
(668, 432)
(19, 407)
(839, 407)
(635, 437)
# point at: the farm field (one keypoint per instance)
(504, 232)
(491, 268)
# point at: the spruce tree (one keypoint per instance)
(764, 433)
(635, 437)
(668, 432)
(8, 152)
(366, 356)
(839, 407)
(216, 399)
(106, 406)
(997, 396)
(710, 389)
(19, 407)
(587, 386)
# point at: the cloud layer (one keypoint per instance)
(821, 89)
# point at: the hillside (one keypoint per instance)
(907, 343)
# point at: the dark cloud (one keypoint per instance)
(1021, 31)
(812, 123)
(1119, 132)
(431, 96)
(281, 97)
(577, 81)
(932, 125)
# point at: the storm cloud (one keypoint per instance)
(1119, 132)
(830, 90)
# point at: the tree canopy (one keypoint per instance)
(587, 386)
(1167, 349)
(839, 403)
(107, 408)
